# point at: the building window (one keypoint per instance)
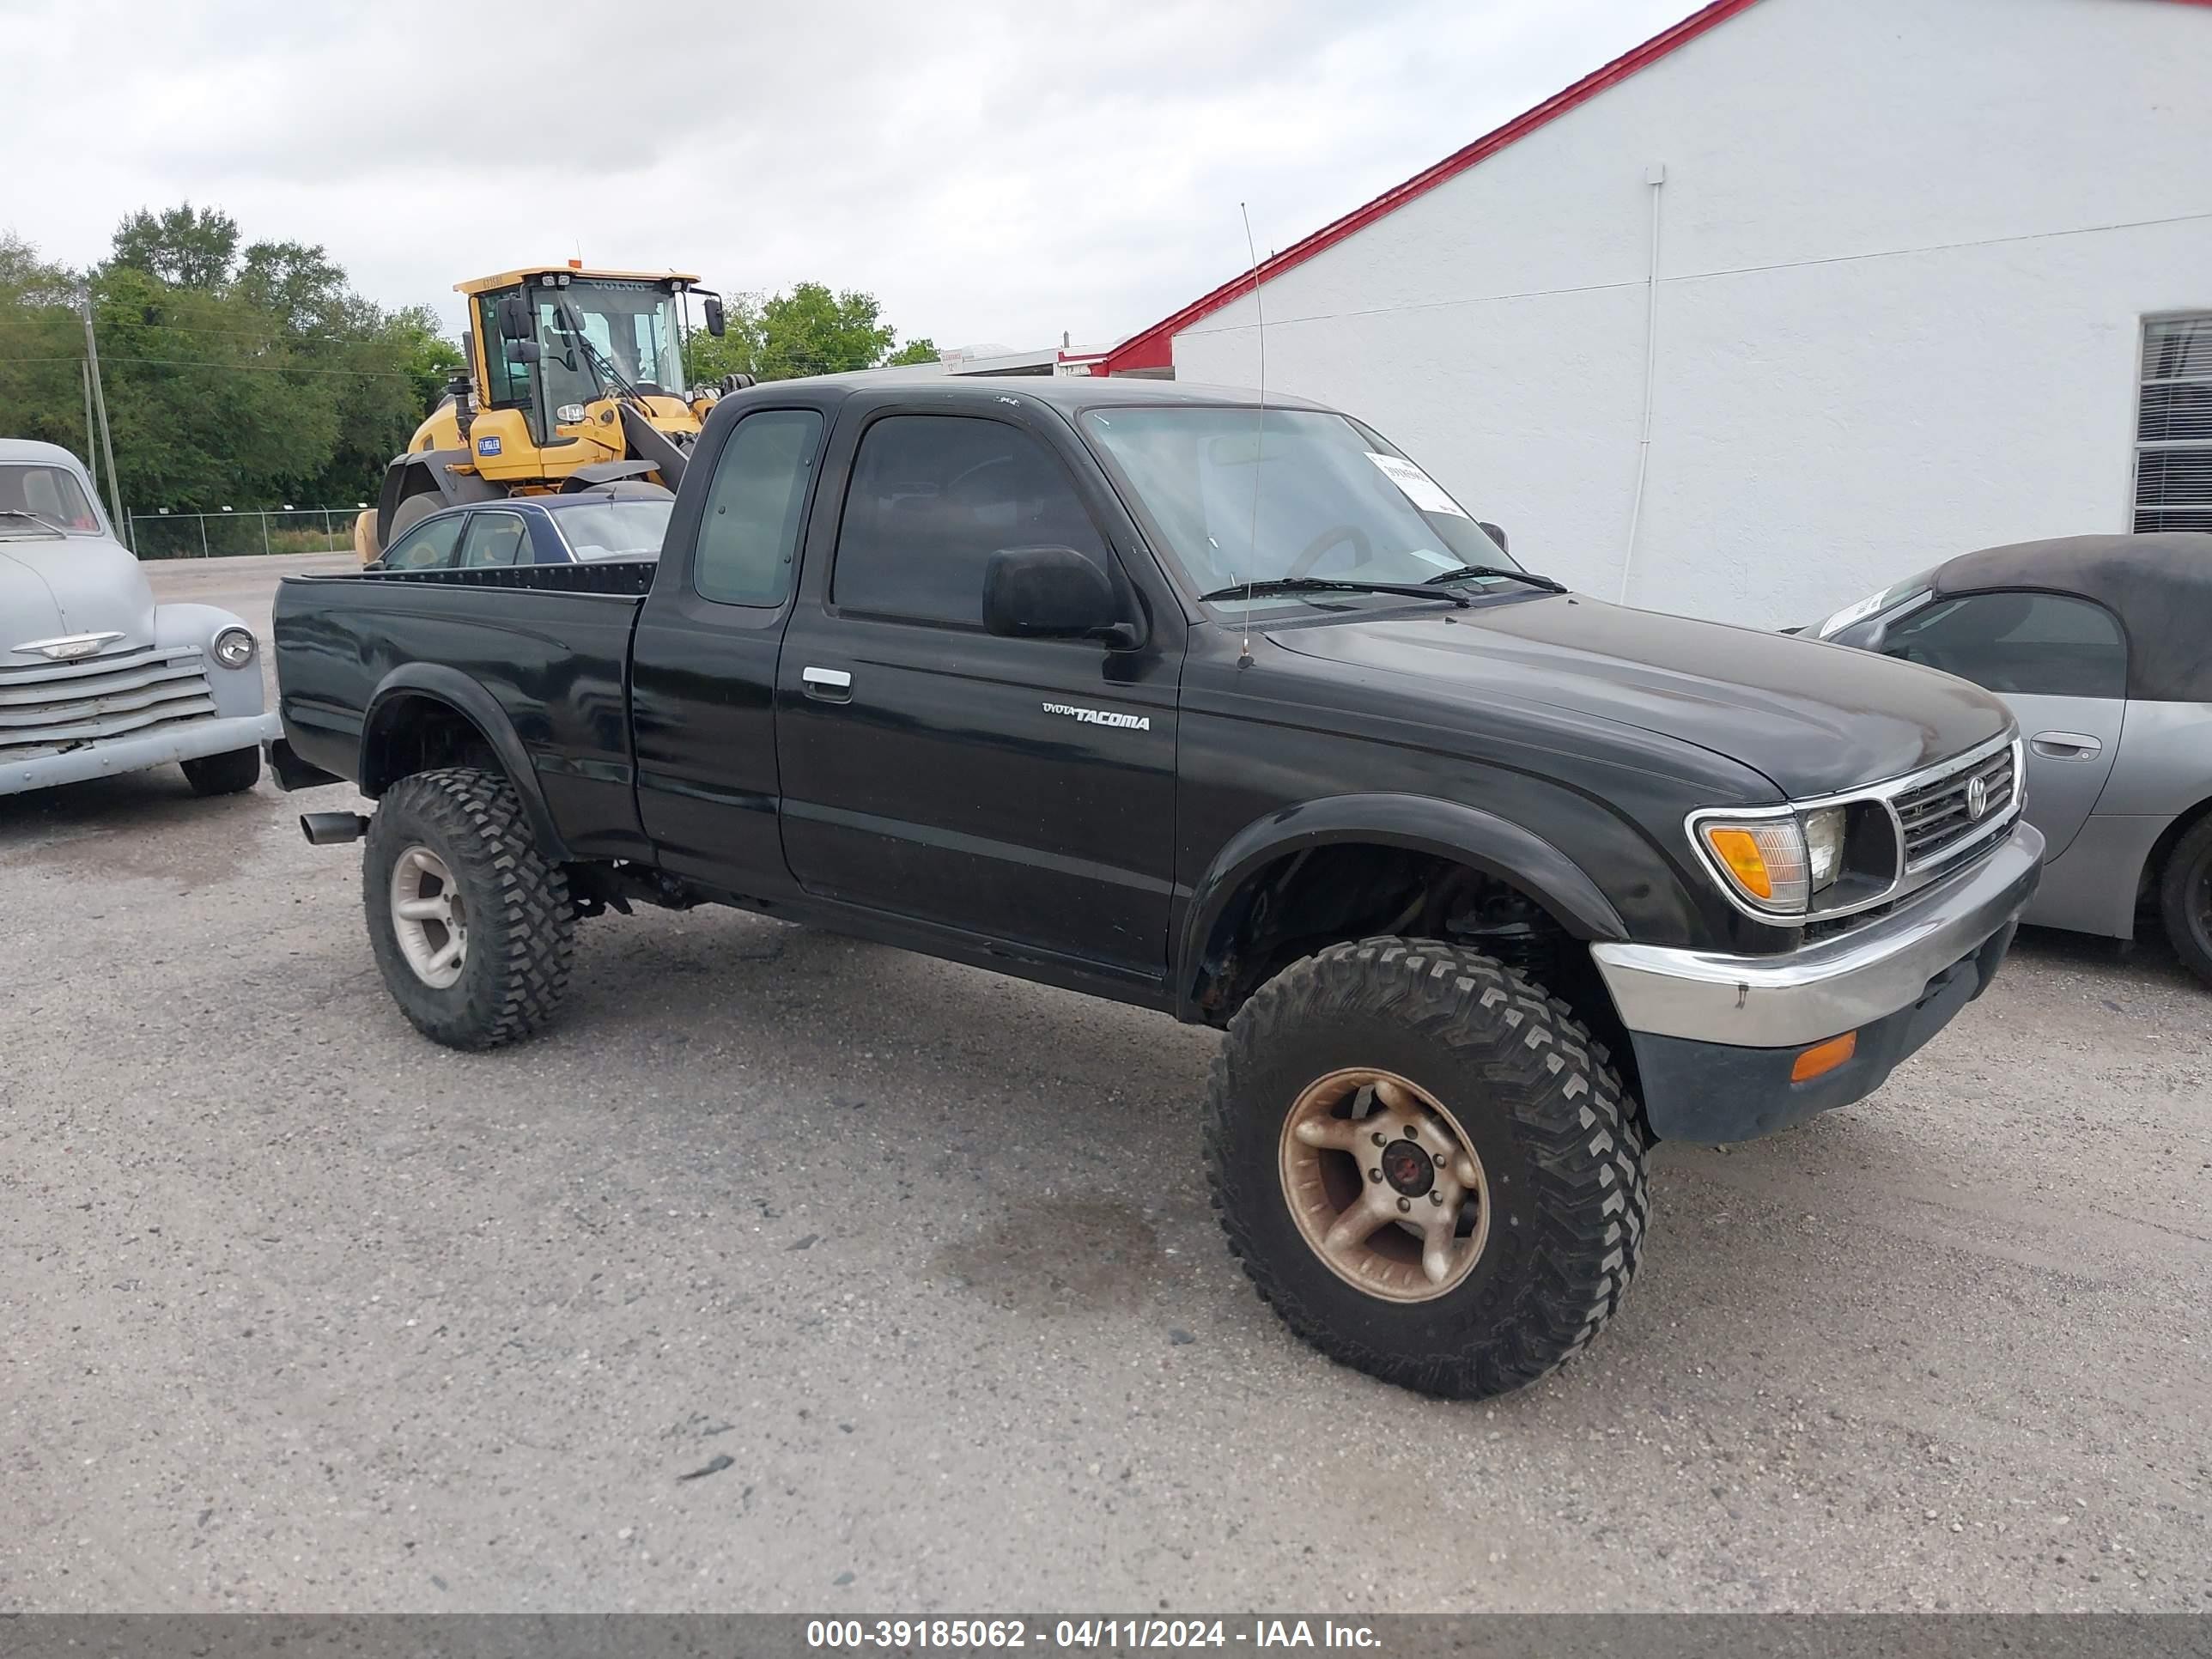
(2174, 425)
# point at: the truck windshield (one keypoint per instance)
(633, 324)
(1245, 497)
(38, 501)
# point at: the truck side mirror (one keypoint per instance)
(524, 351)
(717, 324)
(514, 318)
(1052, 593)
(1495, 533)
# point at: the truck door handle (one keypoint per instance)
(829, 684)
(2066, 745)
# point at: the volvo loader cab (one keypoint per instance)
(570, 378)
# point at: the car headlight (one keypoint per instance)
(1824, 845)
(234, 647)
(1776, 864)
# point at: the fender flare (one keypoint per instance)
(1466, 835)
(438, 684)
(435, 464)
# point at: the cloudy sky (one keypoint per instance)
(991, 172)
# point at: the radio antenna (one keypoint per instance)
(1260, 432)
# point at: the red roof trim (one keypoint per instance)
(1153, 348)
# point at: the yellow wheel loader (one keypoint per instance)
(570, 378)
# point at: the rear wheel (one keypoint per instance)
(472, 928)
(226, 773)
(1426, 1165)
(2185, 899)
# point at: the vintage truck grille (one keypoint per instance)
(1950, 814)
(49, 711)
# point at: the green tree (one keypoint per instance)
(41, 349)
(239, 379)
(187, 246)
(808, 331)
(923, 351)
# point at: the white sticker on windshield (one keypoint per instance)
(1850, 614)
(1420, 489)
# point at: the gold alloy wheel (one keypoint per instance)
(1385, 1185)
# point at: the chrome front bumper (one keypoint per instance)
(1834, 986)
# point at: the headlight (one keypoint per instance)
(234, 647)
(1824, 845)
(1764, 859)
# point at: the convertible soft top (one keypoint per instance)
(2159, 586)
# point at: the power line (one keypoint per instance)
(236, 369)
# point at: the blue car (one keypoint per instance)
(622, 520)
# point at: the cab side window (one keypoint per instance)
(749, 534)
(2034, 644)
(932, 497)
(429, 546)
(495, 539)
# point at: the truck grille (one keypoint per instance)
(50, 711)
(1939, 819)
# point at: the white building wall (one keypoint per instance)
(1906, 247)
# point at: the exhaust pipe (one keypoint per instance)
(333, 828)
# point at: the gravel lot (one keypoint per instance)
(795, 1273)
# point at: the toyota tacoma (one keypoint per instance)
(1223, 707)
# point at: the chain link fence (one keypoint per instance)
(225, 535)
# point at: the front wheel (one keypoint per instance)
(473, 929)
(1426, 1165)
(2185, 899)
(227, 774)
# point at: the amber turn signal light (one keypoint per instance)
(1823, 1058)
(1739, 850)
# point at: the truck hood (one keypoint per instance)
(1814, 718)
(78, 585)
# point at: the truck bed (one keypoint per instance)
(549, 644)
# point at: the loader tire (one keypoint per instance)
(472, 928)
(411, 512)
(1425, 1164)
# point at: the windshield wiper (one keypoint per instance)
(46, 525)
(1327, 585)
(1466, 571)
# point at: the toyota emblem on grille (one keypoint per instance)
(1978, 798)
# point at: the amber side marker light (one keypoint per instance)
(1823, 1058)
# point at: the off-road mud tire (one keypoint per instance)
(521, 921)
(1555, 1131)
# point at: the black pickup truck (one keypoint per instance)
(1231, 712)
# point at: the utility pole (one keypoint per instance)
(107, 441)
(91, 432)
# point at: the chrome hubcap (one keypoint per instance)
(1385, 1185)
(429, 918)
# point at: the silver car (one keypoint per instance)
(2103, 646)
(94, 678)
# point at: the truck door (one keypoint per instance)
(2062, 665)
(703, 664)
(1019, 789)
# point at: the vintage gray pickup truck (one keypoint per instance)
(1147, 691)
(95, 678)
